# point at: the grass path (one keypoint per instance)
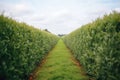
(60, 65)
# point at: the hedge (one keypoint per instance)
(22, 48)
(97, 47)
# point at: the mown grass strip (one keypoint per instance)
(60, 65)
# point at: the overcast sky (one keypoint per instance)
(58, 16)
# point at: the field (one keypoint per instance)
(91, 52)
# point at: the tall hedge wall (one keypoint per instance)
(22, 47)
(97, 46)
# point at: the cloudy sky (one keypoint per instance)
(58, 16)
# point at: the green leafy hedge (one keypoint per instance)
(22, 47)
(97, 46)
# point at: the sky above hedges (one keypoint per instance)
(58, 16)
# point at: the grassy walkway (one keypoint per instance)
(60, 65)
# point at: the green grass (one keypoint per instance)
(60, 65)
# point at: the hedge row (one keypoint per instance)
(97, 46)
(22, 47)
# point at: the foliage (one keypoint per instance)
(97, 46)
(22, 48)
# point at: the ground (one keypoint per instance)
(59, 64)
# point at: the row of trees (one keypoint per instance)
(22, 48)
(97, 46)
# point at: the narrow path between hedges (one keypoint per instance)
(59, 65)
